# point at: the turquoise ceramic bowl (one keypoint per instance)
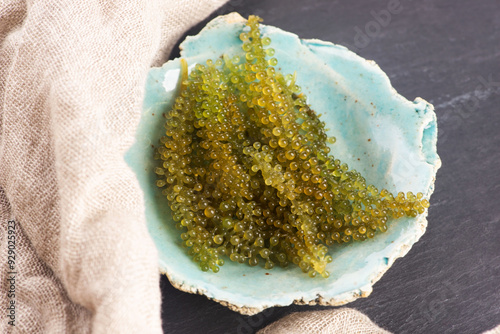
(391, 140)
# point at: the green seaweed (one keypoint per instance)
(247, 168)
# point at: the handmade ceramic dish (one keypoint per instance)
(387, 138)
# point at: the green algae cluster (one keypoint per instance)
(248, 172)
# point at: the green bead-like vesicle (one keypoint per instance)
(247, 170)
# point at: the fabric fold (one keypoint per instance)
(71, 89)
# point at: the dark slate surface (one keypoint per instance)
(447, 52)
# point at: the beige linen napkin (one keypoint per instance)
(336, 321)
(71, 85)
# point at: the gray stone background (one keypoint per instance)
(448, 52)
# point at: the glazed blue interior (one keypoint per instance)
(389, 139)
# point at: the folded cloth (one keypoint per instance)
(71, 84)
(334, 321)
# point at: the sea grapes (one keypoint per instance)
(247, 169)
